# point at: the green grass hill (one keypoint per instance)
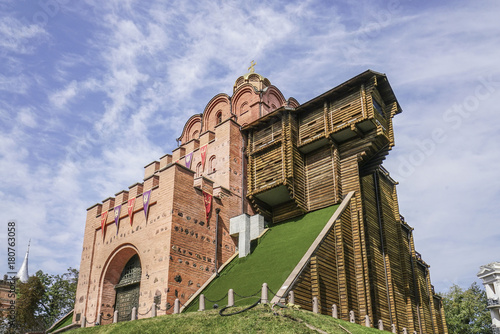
(260, 319)
(272, 259)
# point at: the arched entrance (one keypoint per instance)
(127, 289)
(120, 287)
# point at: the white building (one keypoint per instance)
(490, 274)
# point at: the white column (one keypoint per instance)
(177, 306)
(291, 297)
(263, 298)
(202, 303)
(230, 297)
(134, 313)
(153, 310)
(335, 312)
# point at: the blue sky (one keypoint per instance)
(91, 92)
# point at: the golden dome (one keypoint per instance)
(257, 80)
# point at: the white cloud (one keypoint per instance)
(81, 117)
(16, 37)
(60, 98)
(27, 118)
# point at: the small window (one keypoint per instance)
(219, 117)
(198, 169)
(195, 134)
(211, 164)
(377, 107)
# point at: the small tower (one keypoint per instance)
(490, 275)
(22, 274)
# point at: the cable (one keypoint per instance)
(237, 312)
(139, 313)
(215, 301)
(255, 294)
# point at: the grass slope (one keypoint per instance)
(258, 320)
(272, 260)
(66, 321)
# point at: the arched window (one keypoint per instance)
(219, 117)
(199, 171)
(195, 135)
(211, 164)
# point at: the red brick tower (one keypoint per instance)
(135, 259)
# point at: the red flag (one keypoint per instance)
(203, 151)
(104, 217)
(207, 199)
(131, 203)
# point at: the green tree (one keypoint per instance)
(466, 310)
(59, 296)
(29, 296)
(44, 299)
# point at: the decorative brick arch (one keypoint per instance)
(292, 102)
(110, 276)
(191, 129)
(239, 97)
(219, 108)
(274, 99)
(245, 103)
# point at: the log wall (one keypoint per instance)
(302, 289)
(330, 274)
(320, 178)
(311, 126)
(320, 152)
(377, 266)
(345, 111)
(268, 167)
(267, 135)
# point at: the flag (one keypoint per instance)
(207, 199)
(104, 217)
(117, 216)
(131, 203)
(145, 201)
(189, 158)
(203, 151)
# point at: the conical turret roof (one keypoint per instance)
(22, 274)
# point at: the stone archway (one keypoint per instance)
(121, 274)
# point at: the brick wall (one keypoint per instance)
(176, 243)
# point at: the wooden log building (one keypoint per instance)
(309, 157)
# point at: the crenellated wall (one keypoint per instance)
(176, 242)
